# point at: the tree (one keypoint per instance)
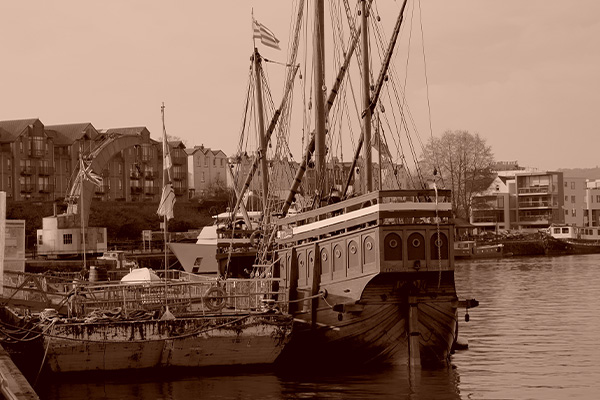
(462, 161)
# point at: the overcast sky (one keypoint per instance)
(524, 74)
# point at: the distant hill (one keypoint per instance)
(589, 173)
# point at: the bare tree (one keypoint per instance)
(462, 162)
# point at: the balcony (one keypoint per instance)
(535, 190)
(45, 170)
(28, 170)
(151, 190)
(46, 189)
(536, 204)
(179, 176)
(27, 188)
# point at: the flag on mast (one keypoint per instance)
(167, 199)
(265, 35)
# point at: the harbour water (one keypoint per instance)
(535, 335)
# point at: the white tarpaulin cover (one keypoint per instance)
(140, 275)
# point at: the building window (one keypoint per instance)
(566, 184)
(68, 238)
(566, 198)
(572, 199)
(598, 198)
(205, 161)
(572, 185)
(573, 213)
(202, 178)
(40, 240)
(566, 213)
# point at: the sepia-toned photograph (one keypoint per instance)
(299, 199)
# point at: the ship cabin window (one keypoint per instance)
(556, 230)
(565, 230)
(68, 238)
(40, 240)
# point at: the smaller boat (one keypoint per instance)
(142, 322)
(467, 249)
(214, 244)
(566, 239)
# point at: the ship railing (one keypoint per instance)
(380, 207)
(36, 292)
(207, 296)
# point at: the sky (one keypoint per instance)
(524, 75)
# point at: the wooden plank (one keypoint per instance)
(13, 384)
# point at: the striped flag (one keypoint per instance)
(265, 35)
(167, 199)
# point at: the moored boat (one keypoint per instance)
(468, 249)
(191, 322)
(565, 239)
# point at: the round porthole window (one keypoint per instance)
(352, 249)
(338, 253)
(324, 256)
(369, 245)
(393, 243)
(439, 242)
(416, 242)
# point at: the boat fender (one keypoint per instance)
(214, 298)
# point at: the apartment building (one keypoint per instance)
(39, 162)
(521, 199)
(591, 213)
(206, 168)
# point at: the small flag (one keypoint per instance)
(167, 202)
(265, 35)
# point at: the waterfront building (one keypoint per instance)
(523, 199)
(38, 162)
(591, 213)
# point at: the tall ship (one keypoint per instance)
(367, 258)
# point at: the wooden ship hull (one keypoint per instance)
(366, 285)
(112, 327)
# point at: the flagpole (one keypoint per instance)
(165, 220)
(81, 166)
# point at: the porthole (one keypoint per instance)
(324, 256)
(369, 245)
(439, 242)
(393, 243)
(338, 253)
(416, 242)
(352, 249)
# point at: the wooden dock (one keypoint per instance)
(13, 384)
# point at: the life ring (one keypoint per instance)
(255, 238)
(214, 298)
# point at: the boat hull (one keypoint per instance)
(555, 246)
(378, 328)
(234, 340)
(196, 258)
